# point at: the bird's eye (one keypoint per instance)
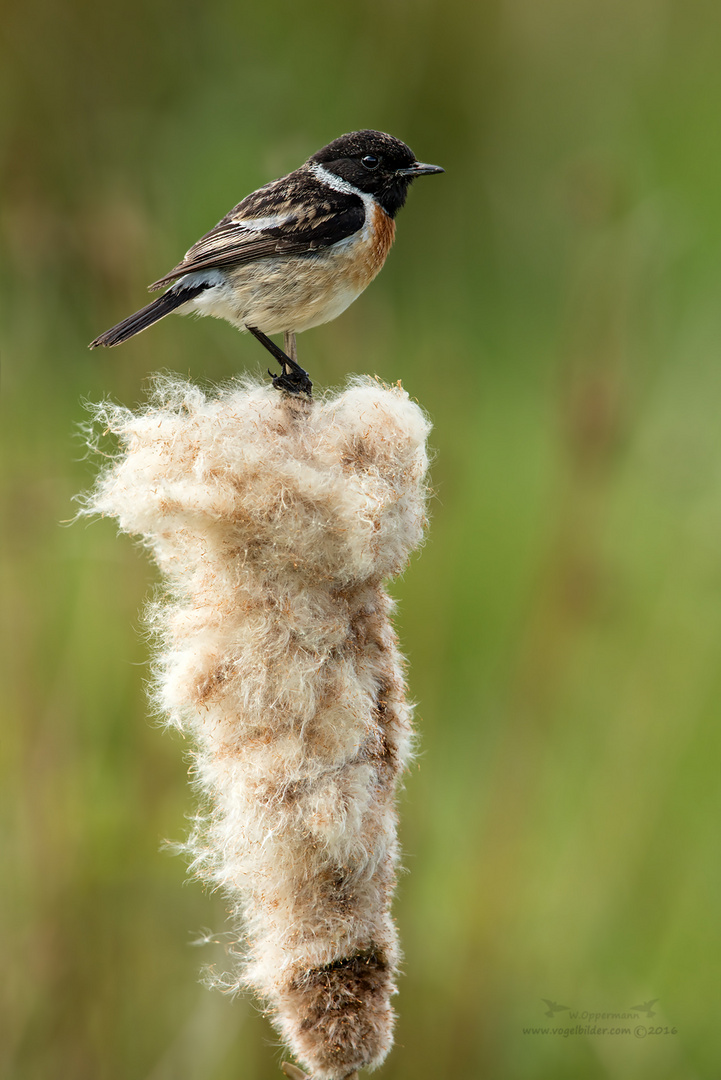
(370, 162)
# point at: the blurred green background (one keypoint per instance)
(553, 301)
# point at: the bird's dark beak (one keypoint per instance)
(419, 169)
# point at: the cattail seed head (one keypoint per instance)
(275, 523)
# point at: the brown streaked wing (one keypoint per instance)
(233, 243)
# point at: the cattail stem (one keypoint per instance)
(275, 522)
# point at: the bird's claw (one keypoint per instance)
(292, 379)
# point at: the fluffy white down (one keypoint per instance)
(274, 523)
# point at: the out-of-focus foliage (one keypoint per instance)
(553, 300)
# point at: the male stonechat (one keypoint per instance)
(295, 253)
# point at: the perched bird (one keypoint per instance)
(294, 253)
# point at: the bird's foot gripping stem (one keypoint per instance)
(293, 379)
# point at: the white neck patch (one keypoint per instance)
(338, 184)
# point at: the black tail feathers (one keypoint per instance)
(148, 315)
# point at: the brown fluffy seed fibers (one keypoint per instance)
(274, 523)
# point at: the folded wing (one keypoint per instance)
(260, 229)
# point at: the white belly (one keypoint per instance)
(294, 293)
(278, 295)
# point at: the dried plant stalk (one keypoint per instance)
(274, 523)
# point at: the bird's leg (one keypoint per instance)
(289, 344)
(293, 379)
